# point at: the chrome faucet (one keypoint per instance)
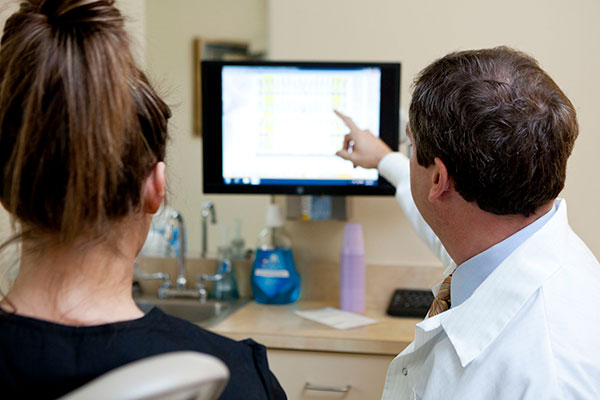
(181, 287)
(181, 281)
(208, 209)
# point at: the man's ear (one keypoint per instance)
(154, 188)
(440, 180)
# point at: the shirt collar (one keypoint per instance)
(470, 274)
(474, 324)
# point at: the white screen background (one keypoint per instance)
(278, 122)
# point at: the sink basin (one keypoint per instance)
(205, 314)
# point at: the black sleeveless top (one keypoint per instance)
(45, 360)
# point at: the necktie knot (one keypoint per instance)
(441, 302)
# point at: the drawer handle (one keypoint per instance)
(308, 386)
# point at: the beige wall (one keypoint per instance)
(135, 20)
(563, 36)
(170, 29)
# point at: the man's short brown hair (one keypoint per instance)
(499, 123)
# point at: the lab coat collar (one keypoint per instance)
(475, 324)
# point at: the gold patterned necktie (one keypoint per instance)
(441, 302)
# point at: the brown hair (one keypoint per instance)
(499, 123)
(80, 125)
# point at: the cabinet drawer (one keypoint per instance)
(364, 374)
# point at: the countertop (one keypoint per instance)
(276, 326)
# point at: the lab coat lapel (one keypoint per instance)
(473, 325)
(425, 331)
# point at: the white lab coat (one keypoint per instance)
(531, 330)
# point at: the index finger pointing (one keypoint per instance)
(347, 120)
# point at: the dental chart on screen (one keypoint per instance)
(279, 126)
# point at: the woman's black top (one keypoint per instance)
(44, 360)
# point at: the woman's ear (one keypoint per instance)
(154, 188)
(440, 180)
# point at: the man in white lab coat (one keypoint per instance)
(519, 318)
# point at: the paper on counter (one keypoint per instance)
(336, 318)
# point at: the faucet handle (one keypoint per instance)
(208, 209)
(181, 282)
(140, 275)
(201, 290)
(224, 285)
(211, 278)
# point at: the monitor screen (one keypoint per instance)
(269, 127)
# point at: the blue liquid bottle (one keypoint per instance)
(274, 278)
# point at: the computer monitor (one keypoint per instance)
(269, 127)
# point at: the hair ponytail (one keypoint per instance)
(80, 125)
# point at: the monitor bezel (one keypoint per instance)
(212, 131)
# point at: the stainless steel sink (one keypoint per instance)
(205, 314)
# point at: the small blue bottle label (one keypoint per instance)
(274, 277)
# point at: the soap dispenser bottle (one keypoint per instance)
(274, 278)
(225, 285)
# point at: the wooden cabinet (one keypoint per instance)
(362, 374)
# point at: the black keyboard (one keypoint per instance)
(410, 303)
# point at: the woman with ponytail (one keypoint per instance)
(82, 147)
